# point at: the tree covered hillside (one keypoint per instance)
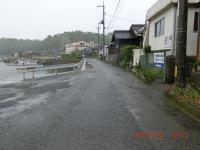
(56, 42)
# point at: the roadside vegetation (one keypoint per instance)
(55, 42)
(186, 94)
(94, 55)
(102, 58)
(189, 93)
(196, 65)
(148, 75)
(74, 57)
(127, 56)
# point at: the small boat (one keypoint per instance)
(9, 61)
(26, 62)
(20, 62)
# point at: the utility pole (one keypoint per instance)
(181, 41)
(103, 23)
(103, 27)
(98, 42)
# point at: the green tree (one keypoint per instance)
(127, 52)
(55, 42)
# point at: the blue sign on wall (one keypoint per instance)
(158, 65)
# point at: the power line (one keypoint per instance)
(115, 12)
(120, 28)
(116, 9)
(124, 19)
(118, 13)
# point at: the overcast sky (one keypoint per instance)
(35, 19)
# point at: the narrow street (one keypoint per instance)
(99, 109)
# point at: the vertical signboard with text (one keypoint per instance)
(159, 60)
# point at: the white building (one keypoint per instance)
(162, 23)
(80, 46)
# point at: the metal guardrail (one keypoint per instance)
(32, 69)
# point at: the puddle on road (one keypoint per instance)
(21, 106)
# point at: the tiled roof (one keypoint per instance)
(138, 28)
(122, 34)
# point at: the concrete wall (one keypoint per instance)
(136, 56)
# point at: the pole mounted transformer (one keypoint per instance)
(181, 41)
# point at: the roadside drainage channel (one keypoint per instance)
(187, 108)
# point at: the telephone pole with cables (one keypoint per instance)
(103, 23)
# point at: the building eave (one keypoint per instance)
(114, 37)
(162, 5)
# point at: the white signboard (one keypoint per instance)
(168, 42)
(159, 59)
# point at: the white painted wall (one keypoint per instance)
(136, 56)
(158, 43)
(69, 50)
(191, 35)
(162, 4)
(81, 45)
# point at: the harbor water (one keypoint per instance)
(9, 74)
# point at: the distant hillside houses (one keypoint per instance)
(80, 46)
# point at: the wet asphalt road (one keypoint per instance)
(99, 109)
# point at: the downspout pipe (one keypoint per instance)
(174, 32)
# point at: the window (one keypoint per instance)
(82, 44)
(157, 29)
(196, 21)
(160, 27)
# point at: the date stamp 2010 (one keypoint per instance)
(161, 134)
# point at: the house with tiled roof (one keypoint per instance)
(133, 36)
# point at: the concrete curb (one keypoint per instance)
(187, 108)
